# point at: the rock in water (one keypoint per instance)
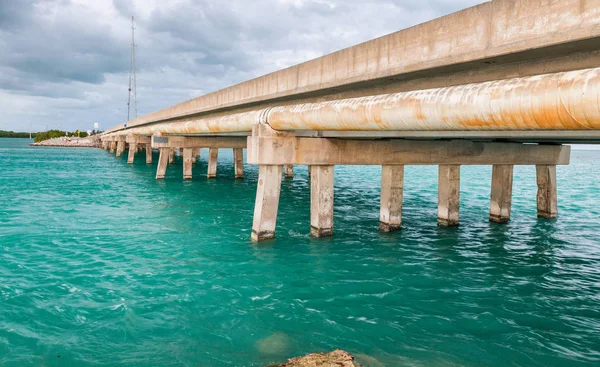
(337, 358)
(275, 344)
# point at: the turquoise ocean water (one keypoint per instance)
(102, 265)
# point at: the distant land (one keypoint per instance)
(45, 135)
(12, 134)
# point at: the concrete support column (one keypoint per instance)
(120, 148)
(171, 155)
(213, 155)
(448, 195)
(163, 162)
(501, 196)
(187, 163)
(321, 201)
(148, 153)
(238, 160)
(113, 146)
(131, 153)
(196, 155)
(267, 202)
(547, 199)
(288, 170)
(392, 185)
(309, 171)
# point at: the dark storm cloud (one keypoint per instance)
(69, 59)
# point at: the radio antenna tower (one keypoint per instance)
(132, 79)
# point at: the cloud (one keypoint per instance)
(66, 62)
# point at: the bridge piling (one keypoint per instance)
(148, 153)
(163, 162)
(213, 156)
(448, 195)
(171, 155)
(547, 202)
(132, 149)
(321, 201)
(188, 159)
(238, 162)
(267, 202)
(501, 193)
(120, 147)
(195, 155)
(392, 186)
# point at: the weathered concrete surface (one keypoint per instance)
(163, 162)
(187, 163)
(392, 186)
(547, 198)
(285, 149)
(321, 201)
(267, 202)
(120, 147)
(148, 147)
(213, 157)
(448, 195)
(238, 162)
(133, 146)
(501, 195)
(199, 142)
(337, 358)
(494, 40)
(171, 155)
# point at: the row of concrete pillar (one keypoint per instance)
(189, 156)
(276, 153)
(392, 183)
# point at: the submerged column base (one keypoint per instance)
(289, 171)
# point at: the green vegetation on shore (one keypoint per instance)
(52, 134)
(12, 134)
(45, 135)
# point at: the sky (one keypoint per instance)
(65, 63)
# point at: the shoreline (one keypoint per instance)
(67, 142)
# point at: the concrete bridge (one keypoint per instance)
(504, 83)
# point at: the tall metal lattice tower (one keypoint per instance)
(132, 78)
